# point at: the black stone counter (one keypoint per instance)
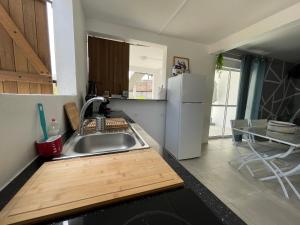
(218, 208)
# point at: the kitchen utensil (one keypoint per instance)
(110, 123)
(63, 187)
(43, 120)
(51, 147)
(72, 114)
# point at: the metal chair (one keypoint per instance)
(237, 139)
(285, 168)
(261, 123)
(256, 151)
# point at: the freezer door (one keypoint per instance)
(174, 89)
(191, 130)
(193, 88)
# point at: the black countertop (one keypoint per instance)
(210, 203)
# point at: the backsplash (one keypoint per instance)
(280, 96)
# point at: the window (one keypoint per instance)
(25, 57)
(116, 66)
(224, 102)
(140, 85)
(147, 76)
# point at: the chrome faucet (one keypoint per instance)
(82, 112)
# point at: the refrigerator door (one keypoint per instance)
(191, 130)
(173, 116)
(193, 88)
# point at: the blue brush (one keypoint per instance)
(43, 120)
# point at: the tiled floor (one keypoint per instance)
(254, 201)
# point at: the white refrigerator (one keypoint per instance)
(184, 116)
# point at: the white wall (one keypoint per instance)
(64, 46)
(200, 62)
(148, 114)
(19, 122)
(20, 128)
(80, 49)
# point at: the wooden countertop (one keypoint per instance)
(63, 187)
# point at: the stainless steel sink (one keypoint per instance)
(103, 143)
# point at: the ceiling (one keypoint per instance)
(204, 21)
(283, 43)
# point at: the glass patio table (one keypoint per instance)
(268, 151)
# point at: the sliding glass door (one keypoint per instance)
(224, 102)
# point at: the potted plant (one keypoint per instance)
(219, 62)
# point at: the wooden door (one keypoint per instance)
(24, 47)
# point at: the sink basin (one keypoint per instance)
(104, 143)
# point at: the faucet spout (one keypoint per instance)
(84, 107)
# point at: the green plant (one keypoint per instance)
(219, 62)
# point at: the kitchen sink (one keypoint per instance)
(103, 143)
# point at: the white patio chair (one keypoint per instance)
(261, 123)
(285, 168)
(237, 139)
(255, 151)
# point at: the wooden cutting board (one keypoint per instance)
(72, 114)
(63, 187)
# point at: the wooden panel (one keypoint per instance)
(24, 20)
(30, 27)
(23, 87)
(72, 114)
(6, 45)
(20, 40)
(16, 13)
(67, 186)
(1, 87)
(24, 77)
(35, 88)
(10, 87)
(47, 88)
(109, 65)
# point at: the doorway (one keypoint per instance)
(224, 102)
